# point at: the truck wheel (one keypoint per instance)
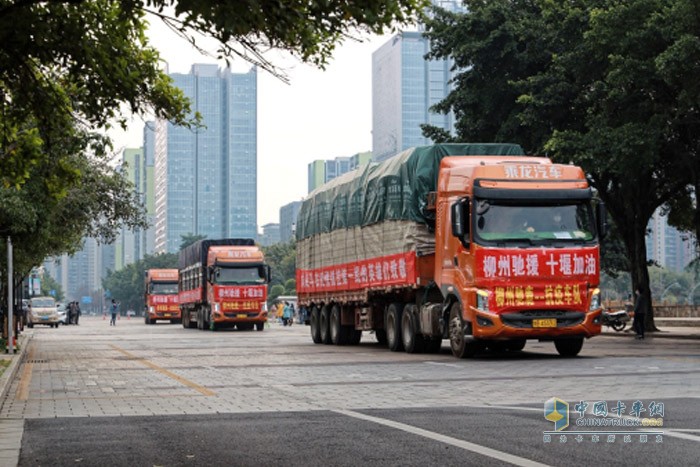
(461, 341)
(325, 325)
(412, 340)
(393, 327)
(315, 325)
(260, 326)
(380, 334)
(145, 320)
(337, 330)
(569, 347)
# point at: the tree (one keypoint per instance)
(189, 239)
(584, 82)
(68, 69)
(282, 260)
(128, 284)
(49, 284)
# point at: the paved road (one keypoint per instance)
(162, 395)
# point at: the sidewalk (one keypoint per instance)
(15, 360)
(668, 328)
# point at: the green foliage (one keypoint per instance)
(189, 239)
(282, 260)
(610, 86)
(69, 70)
(48, 284)
(275, 291)
(128, 284)
(290, 287)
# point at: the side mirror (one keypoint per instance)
(460, 219)
(602, 219)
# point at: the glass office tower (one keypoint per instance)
(206, 178)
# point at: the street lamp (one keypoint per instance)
(663, 294)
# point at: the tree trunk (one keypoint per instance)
(640, 272)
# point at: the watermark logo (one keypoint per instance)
(557, 411)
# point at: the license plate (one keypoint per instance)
(167, 315)
(45, 317)
(241, 315)
(544, 323)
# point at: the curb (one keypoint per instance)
(656, 334)
(9, 375)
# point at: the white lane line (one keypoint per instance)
(483, 450)
(681, 435)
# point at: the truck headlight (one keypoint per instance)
(217, 307)
(595, 300)
(482, 300)
(151, 309)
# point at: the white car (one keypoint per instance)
(42, 310)
(62, 313)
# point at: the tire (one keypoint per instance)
(30, 325)
(393, 327)
(569, 347)
(315, 325)
(380, 334)
(145, 320)
(325, 325)
(618, 325)
(460, 332)
(413, 342)
(200, 320)
(335, 326)
(260, 326)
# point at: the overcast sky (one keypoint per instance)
(319, 115)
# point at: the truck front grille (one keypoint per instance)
(524, 319)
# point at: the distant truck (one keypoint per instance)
(474, 243)
(161, 296)
(223, 283)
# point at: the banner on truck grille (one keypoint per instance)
(499, 264)
(383, 271)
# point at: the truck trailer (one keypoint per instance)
(161, 296)
(474, 243)
(223, 283)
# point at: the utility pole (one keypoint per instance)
(10, 322)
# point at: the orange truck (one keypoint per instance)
(223, 283)
(473, 243)
(161, 296)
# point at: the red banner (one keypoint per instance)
(232, 293)
(171, 299)
(565, 264)
(383, 271)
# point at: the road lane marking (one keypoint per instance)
(197, 387)
(26, 379)
(477, 448)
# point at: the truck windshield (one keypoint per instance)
(241, 275)
(496, 222)
(163, 288)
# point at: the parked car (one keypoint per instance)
(62, 313)
(42, 310)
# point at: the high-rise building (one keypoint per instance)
(288, 220)
(148, 237)
(129, 244)
(404, 87)
(206, 178)
(321, 171)
(667, 246)
(270, 234)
